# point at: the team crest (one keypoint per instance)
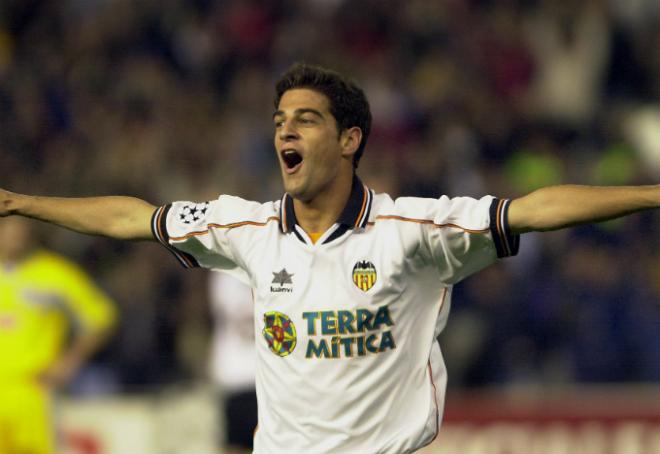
(364, 275)
(280, 333)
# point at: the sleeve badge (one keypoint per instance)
(192, 214)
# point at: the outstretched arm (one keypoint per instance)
(556, 207)
(126, 218)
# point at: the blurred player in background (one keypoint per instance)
(52, 319)
(351, 287)
(233, 359)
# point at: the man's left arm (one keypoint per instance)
(557, 207)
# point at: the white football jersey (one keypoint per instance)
(345, 329)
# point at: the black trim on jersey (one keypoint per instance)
(159, 230)
(339, 231)
(158, 224)
(353, 215)
(298, 235)
(367, 212)
(287, 214)
(506, 243)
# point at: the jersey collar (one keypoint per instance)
(354, 215)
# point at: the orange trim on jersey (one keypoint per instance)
(283, 210)
(430, 222)
(181, 256)
(225, 226)
(435, 389)
(189, 262)
(497, 218)
(437, 407)
(161, 237)
(500, 225)
(442, 299)
(364, 206)
(158, 224)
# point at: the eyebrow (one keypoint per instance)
(298, 112)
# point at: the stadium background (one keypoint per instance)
(171, 99)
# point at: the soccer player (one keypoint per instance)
(351, 288)
(45, 299)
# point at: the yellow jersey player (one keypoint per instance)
(351, 288)
(52, 318)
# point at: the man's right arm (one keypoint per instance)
(125, 218)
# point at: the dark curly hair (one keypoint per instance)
(348, 103)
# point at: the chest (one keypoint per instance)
(26, 302)
(358, 271)
(342, 299)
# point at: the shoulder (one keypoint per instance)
(234, 209)
(226, 211)
(50, 259)
(53, 267)
(468, 212)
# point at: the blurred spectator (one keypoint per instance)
(233, 360)
(598, 317)
(52, 320)
(570, 45)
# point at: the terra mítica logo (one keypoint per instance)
(279, 332)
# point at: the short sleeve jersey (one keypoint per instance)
(42, 299)
(345, 328)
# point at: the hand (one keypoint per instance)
(59, 374)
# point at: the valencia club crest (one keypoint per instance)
(364, 275)
(279, 332)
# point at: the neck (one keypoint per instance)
(320, 213)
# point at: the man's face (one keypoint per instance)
(308, 143)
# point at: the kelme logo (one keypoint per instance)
(364, 275)
(282, 282)
(279, 332)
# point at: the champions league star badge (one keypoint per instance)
(279, 332)
(194, 213)
(364, 275)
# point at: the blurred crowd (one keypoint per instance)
(172, 100)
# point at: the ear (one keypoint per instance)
(350, 140)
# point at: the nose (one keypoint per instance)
(287, 131)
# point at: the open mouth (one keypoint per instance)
(292, 160)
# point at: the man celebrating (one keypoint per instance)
(351, 288)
